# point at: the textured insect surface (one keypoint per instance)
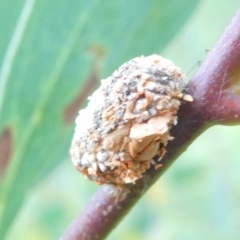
(127, 121)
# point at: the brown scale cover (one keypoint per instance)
(127, 121)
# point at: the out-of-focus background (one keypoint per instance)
(47, 51)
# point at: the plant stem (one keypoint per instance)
(216, 85)
(215, 91)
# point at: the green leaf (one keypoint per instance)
(48, 50)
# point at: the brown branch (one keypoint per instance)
(216, 84)
(216, 100)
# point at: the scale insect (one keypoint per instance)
(127, 121)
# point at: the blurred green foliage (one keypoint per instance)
(47, 51)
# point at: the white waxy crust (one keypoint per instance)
(127, 121)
